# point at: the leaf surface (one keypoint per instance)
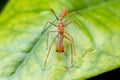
(23, 40)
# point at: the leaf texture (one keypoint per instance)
(23, 41)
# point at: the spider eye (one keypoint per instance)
(56, 50)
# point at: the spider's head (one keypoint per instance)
(64, 12)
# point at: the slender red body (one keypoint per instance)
(60, 46)
(61, 34)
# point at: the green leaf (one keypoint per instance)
(23, 47)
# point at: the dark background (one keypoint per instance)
(2, 4)
(111, 75)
